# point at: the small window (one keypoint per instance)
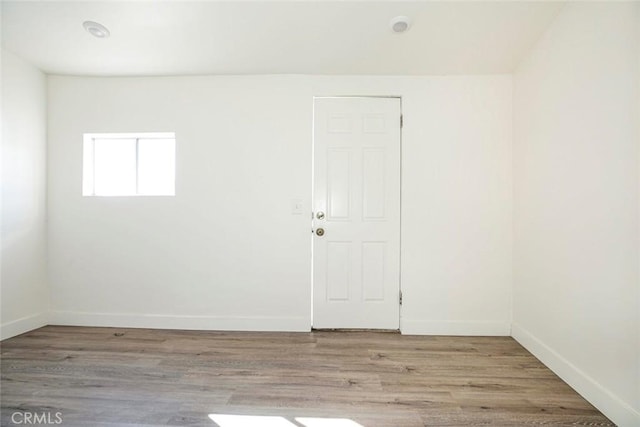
(129, 164)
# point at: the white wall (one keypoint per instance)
(23, 285)
(226, 252)
(576, 271)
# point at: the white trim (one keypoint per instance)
(158, 321)
(22, 325)
(456, 328)
(621, 413)
(131, 135)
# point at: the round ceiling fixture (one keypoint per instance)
(400, 24)
(96, 29)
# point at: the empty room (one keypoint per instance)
(320, 213)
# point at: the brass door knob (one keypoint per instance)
(320, 231)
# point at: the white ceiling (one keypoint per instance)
(274, 37)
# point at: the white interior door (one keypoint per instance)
(356, 256)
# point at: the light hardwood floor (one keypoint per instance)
(112, 376)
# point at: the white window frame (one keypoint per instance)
(88, 162)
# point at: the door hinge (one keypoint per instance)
(401, 120)
(400, 298)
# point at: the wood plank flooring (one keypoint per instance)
(142, 377)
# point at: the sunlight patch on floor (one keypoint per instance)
(225, 420)
(327, 422)
(229, 420)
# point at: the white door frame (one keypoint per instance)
(399, 97)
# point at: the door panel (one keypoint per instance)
(339, 184)
(356, 262)
(373, 261)
(338, 271)
(373, 184)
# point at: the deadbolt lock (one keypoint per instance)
(320, 231)
(320, 215)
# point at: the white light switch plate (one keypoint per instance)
(297, 207)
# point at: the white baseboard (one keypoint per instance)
(618, 411)
(22, 325)
(157, 321)
(458, 328)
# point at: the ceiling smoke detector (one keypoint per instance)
(400, 24)
(96, 29)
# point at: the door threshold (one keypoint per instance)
(385, 331)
